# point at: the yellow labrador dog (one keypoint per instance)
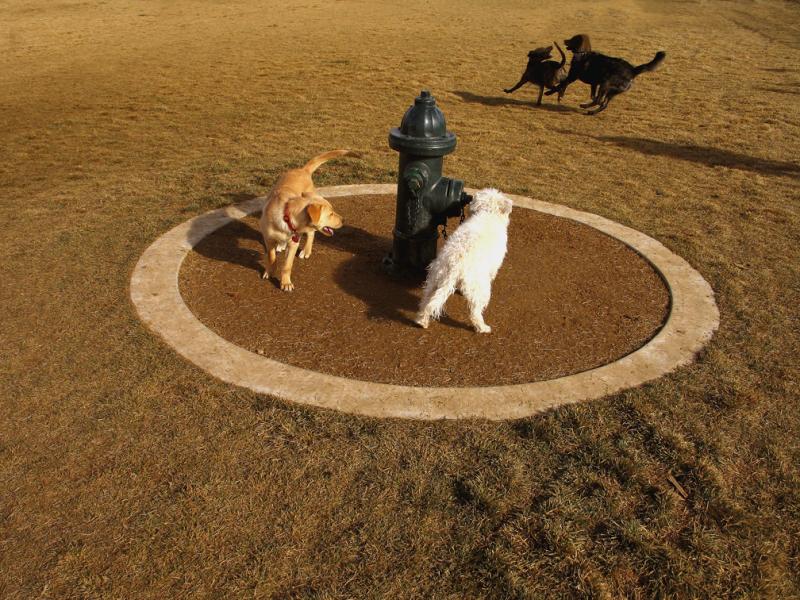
(294, 208)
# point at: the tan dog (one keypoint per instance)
(294, 208)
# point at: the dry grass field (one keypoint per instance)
(127, 473)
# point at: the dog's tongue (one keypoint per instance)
(328, 230)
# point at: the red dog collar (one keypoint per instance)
(292, 228)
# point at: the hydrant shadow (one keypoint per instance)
(363, 277)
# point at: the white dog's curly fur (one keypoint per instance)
(469, 260)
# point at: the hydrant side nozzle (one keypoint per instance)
(445, 197)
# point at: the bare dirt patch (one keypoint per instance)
(567, 299)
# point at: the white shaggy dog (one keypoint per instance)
(469, 260)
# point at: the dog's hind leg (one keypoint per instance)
(556, 90)
(541, 92)
(602, 106)
(476, 307)
(519, 84)
(606, 99)
(596, 96)
(599, 95)
(423, 317)
(434, 297)
(434, 306)
(477, 295)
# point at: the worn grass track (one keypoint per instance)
(125, 472)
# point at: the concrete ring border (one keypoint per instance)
(154, 291)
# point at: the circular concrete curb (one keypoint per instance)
(154, 291)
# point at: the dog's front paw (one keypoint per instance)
(483, 328)
(304, 254)
(287, 286)
(423, 322)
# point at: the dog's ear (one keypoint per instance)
(541, 53)
(314, 213)
(578, 43)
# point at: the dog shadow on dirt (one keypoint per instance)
(359, 275)
(237, 243)
(355, 267)
(507, 100)
(225, 245)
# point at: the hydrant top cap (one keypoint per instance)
(423, 129)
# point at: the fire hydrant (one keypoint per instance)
(425, 199)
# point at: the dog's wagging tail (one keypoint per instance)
(316, 162)
(652, 65)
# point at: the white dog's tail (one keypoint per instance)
(319, 160)
(437, 291)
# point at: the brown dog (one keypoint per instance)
(294, 208)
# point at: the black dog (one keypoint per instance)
(542, 72)
(607, 76)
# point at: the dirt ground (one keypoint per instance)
(126, 472)
(553, 313)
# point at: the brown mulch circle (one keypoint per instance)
(568, 298)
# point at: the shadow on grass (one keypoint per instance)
(237, 197)
(471, 98)
(777, 90)
(712, 157)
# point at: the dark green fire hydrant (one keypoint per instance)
(425, 199)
